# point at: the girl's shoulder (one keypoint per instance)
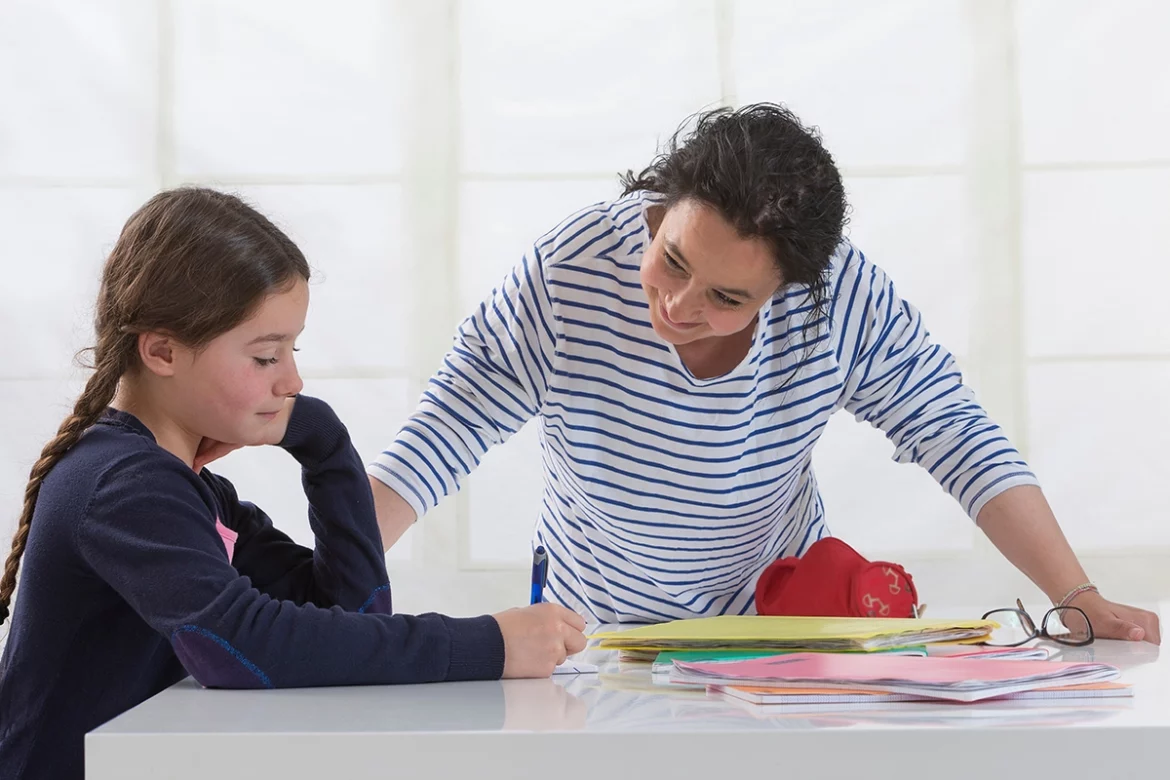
(118, 456)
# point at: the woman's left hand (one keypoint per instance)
(1118, 621)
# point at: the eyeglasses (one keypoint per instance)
(1064, 625)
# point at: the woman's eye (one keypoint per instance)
(672, 263)
(723, 300)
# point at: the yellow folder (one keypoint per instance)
(787, 633)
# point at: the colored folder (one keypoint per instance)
(754, 632)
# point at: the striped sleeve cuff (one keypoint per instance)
(391, 472)
(995, 481)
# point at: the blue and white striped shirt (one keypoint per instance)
(665, 496)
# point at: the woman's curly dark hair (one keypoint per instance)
(768, 175)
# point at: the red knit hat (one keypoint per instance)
(833, 580)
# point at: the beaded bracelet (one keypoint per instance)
(1088, 587)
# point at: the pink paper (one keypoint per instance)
(853, 667)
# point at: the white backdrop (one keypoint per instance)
(1008, 163)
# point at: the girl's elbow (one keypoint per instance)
(214, 662)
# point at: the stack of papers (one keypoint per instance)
(663, 663)
(789, 696)
(952, 679)
(755, 632)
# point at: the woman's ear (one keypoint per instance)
(158, 353)
(654, 216)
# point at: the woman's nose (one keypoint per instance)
(684, 305)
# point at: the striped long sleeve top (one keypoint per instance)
(666, 495)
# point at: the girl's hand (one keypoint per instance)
(1118, 621)
(538, 638)
(273, 433)
(209, 450)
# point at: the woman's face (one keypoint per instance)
(703, 279)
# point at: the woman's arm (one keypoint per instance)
(899, 381)
(395, 515)
(492, 381)
(1020, 523)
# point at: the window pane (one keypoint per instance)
(1095, 265)
(77, 88)
(555, 87)
(887, 82)
(285, 88)
(1094, 80)
(1100, 443)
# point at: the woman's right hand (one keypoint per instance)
(539, 638)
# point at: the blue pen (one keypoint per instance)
(539, 574)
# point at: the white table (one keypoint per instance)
(615, 723)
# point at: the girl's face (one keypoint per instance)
(701, 278)
(233, 389)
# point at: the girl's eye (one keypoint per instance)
(263, 362)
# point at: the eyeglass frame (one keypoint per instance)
(1041, 631)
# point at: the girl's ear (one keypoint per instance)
(158, 353)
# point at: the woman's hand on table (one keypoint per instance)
(1118, 621)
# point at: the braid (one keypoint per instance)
(112, 361)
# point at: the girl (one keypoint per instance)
(683, 348)
(140, 566)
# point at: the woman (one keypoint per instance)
(684, 347)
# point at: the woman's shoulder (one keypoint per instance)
(851, 280)
(606, 230)
(849, 264)
(851, 289)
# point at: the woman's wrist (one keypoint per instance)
(1076, 592)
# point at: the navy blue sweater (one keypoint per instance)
(126, 587)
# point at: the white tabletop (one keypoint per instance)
(618, 722)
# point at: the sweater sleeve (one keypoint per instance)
(347, 567)
(492, 381)
(899, 381)
(149, 531)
